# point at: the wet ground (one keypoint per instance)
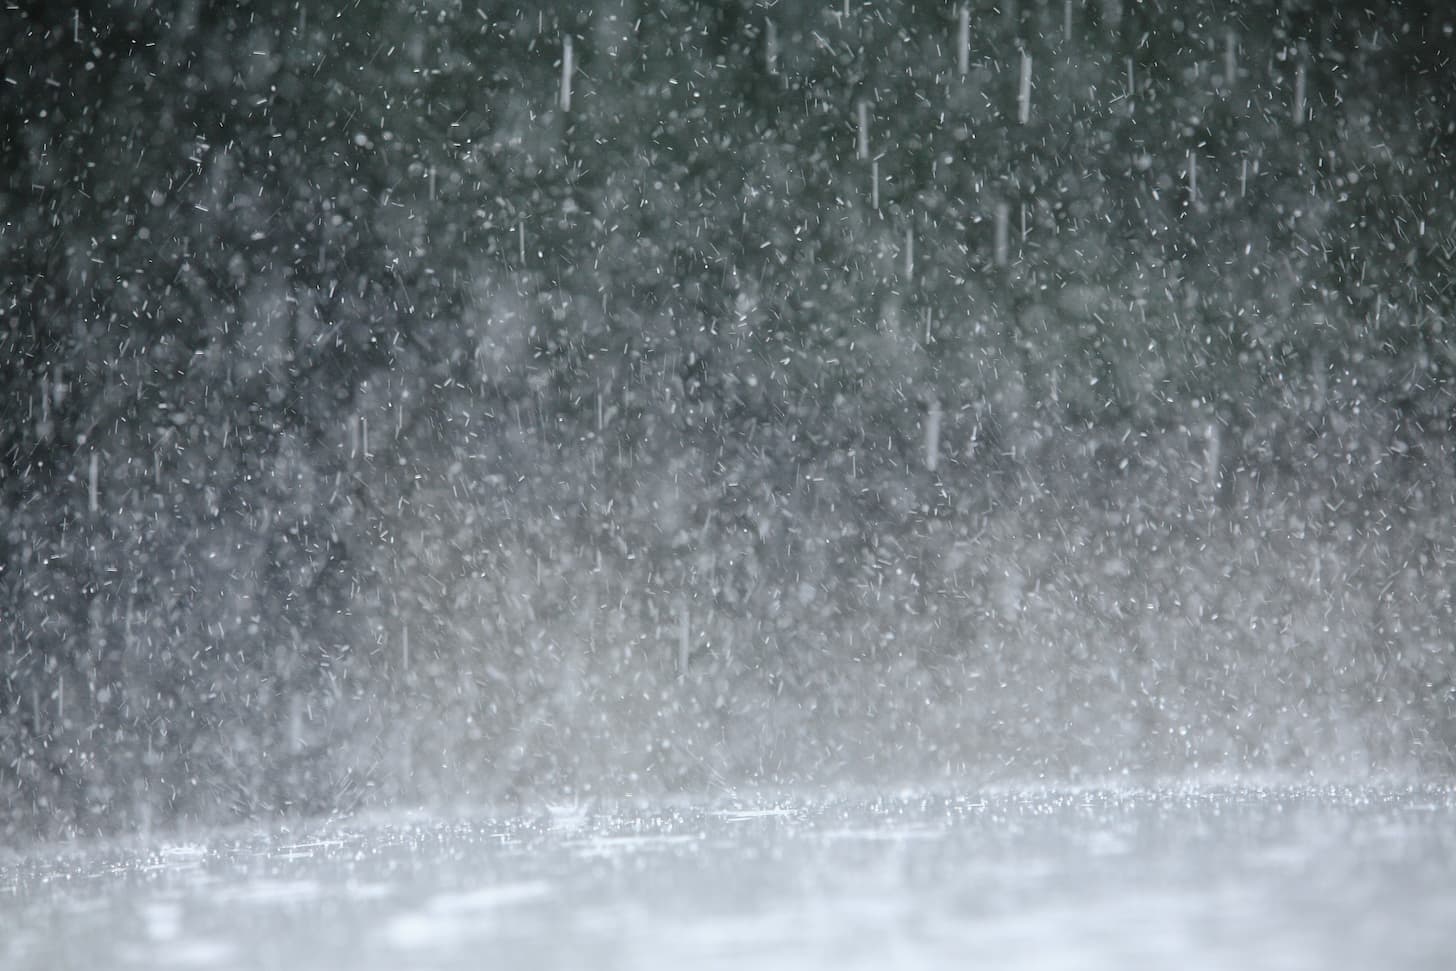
(1197, 877)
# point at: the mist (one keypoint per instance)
(464, 404)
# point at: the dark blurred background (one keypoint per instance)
(815, 393)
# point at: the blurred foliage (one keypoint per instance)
(451, 441)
